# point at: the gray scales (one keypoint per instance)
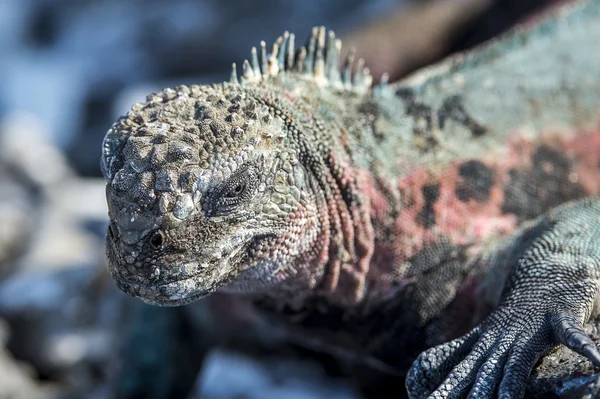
(450, 214)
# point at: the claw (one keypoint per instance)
(569, 331)
(496, 358)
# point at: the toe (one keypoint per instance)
(569, 332)
(461, 378)
(521, 359)
(433, 365)
(490, 373)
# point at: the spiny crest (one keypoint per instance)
(318, 60)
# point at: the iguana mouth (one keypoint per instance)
(192, 281)
(159, 294)
(174, 292)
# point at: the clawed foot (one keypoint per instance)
(496, 358)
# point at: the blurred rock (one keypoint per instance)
(61, 306)
(17, 380)
(16, 209)
(25, 147)
(65, 324)
(229, 375)
(500, 16)
(413, 36)
(20, 191)
(44, 202)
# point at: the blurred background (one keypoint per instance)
(68, 69)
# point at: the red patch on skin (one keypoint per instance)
(585, 150)
(379, 204)
(472, 221)
(466, 222)
(462, 222)
(412, 235)
(581, 148)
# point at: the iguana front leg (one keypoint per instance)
(548, 297)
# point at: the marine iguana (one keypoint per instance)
(451, 214)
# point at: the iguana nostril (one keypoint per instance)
(157, 239)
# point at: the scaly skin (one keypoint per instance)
(381, 221)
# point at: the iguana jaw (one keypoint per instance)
(197, 279)
(153, 295)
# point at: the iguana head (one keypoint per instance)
(202, 185)
(208, 187)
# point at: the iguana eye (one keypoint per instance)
(234, 192)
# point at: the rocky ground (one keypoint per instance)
(68, 69)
